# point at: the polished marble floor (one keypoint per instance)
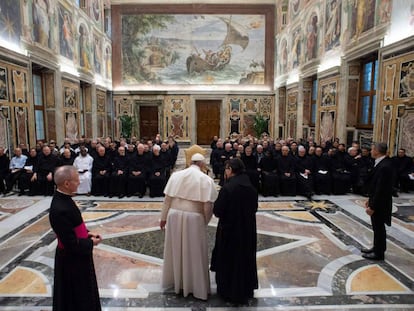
(308, 255)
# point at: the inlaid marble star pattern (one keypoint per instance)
(308, 255)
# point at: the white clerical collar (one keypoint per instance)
(65, 193)
(378, 160)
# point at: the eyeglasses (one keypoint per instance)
(227, 168)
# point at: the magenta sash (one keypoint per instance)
(80, 231)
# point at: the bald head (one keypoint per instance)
(64, 173)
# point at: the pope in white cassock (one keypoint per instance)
(187, 210)
(83, 162)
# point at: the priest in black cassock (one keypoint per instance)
(101, 172)
(75, 286)
(234, 253)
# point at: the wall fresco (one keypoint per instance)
(193, 49)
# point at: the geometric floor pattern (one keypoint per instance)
(308, 255)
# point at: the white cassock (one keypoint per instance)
(84, 163)
(189, 197)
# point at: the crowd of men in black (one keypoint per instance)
(288, 168)
(120, 168)
(275, 167)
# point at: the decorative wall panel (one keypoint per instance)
(22, 128)
(407, 126)
(177, 115)
(396, 103)
(389, 85)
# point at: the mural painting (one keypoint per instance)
(108, 62)
(332, 23)
(96, 11)
(294, 7)
(84, 48)
(296, 49)
(193, 49)
(283, 57)
(407, 80)
(10, 25)
(384, 9)
(4, 93)
(97, 54)
(363, 16)
(41, 24)
(312, 37)
(65, 32)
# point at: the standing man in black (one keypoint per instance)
(234, 254)
(379, 204)
(75, 286)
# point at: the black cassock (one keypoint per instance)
(234, 253)
(75, 286)
(137, 183)
(100, 182)
(250, 163)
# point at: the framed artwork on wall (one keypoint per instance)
(187, 47)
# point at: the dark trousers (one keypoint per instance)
(322, 183)
(44, 187)
(380, 234)
(137, 184)
(288, 184)
(304, 185)
(11, 179)
(26, 183)
(100, 184)
(118, 184)
(270, 184)
(156, 185)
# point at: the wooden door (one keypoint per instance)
(208, 120)
(148, 125)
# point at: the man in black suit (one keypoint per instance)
(379, 204)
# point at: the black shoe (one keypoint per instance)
(140, 196)
(367, 250)
(121, 196)
(395, 194)
(110, 196)
(373, 256)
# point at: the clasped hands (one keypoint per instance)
(368, 209)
